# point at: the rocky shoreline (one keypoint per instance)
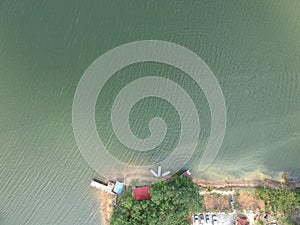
(248, 183)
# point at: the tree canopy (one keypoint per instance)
(170, 203)
(280, 201)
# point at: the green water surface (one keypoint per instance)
(252, 47)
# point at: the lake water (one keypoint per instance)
(252, 48)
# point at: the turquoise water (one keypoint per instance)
(45, 47)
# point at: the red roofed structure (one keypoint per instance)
(141, 193)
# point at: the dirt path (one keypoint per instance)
(217, 192)
(139, 178)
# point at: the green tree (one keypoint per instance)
(280, 201)
(170, 204)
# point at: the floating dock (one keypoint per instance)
(106, 188)
(111, 188)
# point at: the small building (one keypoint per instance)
(118, 187)
(141, 193)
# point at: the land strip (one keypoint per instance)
(247, 183)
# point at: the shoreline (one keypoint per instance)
(248, 183)
(106, 206)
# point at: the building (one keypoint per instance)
(141, 193)
(118, 187)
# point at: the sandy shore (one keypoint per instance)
(105, 206)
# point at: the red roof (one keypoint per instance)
(140, 193)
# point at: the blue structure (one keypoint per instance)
(118, 187)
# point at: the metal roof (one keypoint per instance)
(141, 193)
(118, 187)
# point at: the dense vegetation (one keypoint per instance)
(280, 201)
(170, 204)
